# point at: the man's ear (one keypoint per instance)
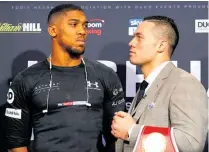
(52, 30)
(162, 46)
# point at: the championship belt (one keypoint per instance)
(155, 139)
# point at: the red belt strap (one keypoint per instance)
(155, 139)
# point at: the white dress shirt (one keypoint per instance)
(150, 79)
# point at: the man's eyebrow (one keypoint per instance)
(76, 20)
(138, 34)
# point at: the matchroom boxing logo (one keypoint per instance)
(20, 28)
(95, 26)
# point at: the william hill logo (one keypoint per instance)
(20, 28)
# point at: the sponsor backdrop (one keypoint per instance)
(25, 41)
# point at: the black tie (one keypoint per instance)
(143, 86)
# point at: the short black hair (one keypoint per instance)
(172, 29)
(63, 8)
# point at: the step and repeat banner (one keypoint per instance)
(24, 39)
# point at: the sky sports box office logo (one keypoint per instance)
(133, 23)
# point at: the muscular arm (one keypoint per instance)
(114, 102)
(17, 116)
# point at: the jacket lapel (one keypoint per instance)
(153, 91)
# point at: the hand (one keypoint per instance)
(121, 124)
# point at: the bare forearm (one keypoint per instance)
(21, 149)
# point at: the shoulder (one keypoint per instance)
(42, 65)
(105, 74)
(100, 68)
(187, 77)
(31, 73)
(189, 82)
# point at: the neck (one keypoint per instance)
(60, 57)
(149, 67)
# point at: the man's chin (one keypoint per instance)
(76, 53)
(80, 51)
(135, 62)
(132, 61)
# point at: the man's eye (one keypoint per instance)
(139, 37)
(86, 25)
(73, 24)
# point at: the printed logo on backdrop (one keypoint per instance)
(95, 26)
(147, 6)
(32, 7)
(6, 27)
(202, 26)
(133, 23)
(109, 6)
